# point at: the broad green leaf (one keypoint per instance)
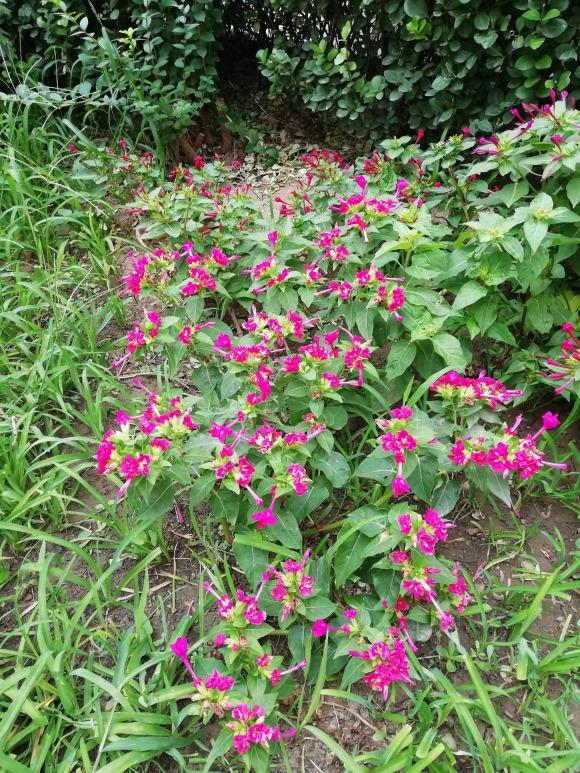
(535, 232)
(286, 530)
(485, 312)
(400, 358)
(422, 478)
(468, 294)
(302, 506)
(500, 332)
(251, 560)
(377, 466)
(539, 314)
(573, 191)
(489, 481)
(449, 348)
(445, 496)
(416, 8)
(509, 194)
(336, 469)
(387, 583)
(349, 557)
(318, 607)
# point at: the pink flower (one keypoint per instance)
(265, 517)
(134, 466)
(550, 420)
(400, 486)
(184, 335)
(179, 647)
(446, 621)
(223, 341)
(361, 181)
(299, 478)
(319, 629)
(404, 522)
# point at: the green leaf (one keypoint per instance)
(509, 194)
(387, 583)
(251, 560)
(257, 541)
(416, 8)
(500, 332)
(487, 480)
(302, 506)
(422, 478)
(286, 530)
(336, 469)
(486, 39)
(449, 348)
(345, 32)
(573, 191)
(353, 671)
(335, 416)
(468, 294)
(400, 358)
(297, 634)
(445, 497)
(539, 314)
(535, 232)
(201, 489)
(350, 556)
(318, 607)
(160, 500)
(485, 312)
(219, 748)
(377, 466)
(230, 385)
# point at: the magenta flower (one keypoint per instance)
(319, 629)
(400, 486)
(264, 517)
(184, 335)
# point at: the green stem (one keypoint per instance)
(329, 527)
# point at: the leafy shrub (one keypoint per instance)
(152, 59)
(333, 465)
(378, 67)
(424, 62)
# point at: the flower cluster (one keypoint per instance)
(213, 694)
(292, 584)
(566, 366)
(144, 442)
(372, 287)
(388, 662)
(468, 391)
(244, 610)
(143, 334)
(249, 728)
(325, 164)
(398, 441)
(424, 532)
(506, 452)
(148, 271)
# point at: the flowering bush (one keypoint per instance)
(299, 351)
